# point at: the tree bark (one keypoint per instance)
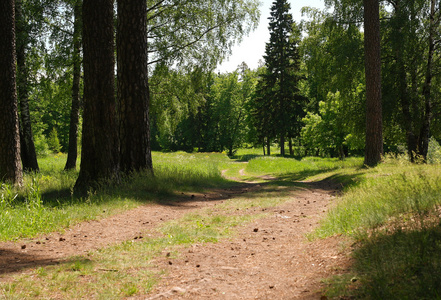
(405, 97)
(425, 129)
(10, 165)
(133, 88)
(374, 120)
(72, 151)
(99, 155)
(28, 153)
(268, 146)
(291, 148)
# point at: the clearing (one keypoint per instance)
(269, 258)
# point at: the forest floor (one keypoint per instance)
(269, 258)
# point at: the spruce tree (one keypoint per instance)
(278, 86)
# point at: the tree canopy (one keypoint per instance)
(313, 92)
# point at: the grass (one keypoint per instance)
(127, 269)
(390, 211)
(393, 216)
(45, 202)
(122, 270)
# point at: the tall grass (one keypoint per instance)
(393, 214)
(390, 192)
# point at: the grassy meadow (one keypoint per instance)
(391, 213)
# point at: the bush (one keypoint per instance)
(41, 145)
(434, 153)
(53, 141)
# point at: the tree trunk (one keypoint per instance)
(291, 149)
(72, 151)
(341, 152)
(425, 130)
(282, 145)
(133, 89)
(403, 89)
(374, 120)
(268, 146)
(99, 155)
(10, 165)
(28, 153)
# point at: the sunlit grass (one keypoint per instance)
(307, 166)
(126, 269)
(45, 202)
(388, 191)
(393, 215)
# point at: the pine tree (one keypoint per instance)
(278, 86)
(374, 121)
(10, 165)
(100, 148)
(133, 88)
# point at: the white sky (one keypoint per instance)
(252, 47)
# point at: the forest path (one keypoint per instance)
(267, 259)
(270, 258)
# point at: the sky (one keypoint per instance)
(252, 47)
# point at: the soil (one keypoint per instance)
(271, 258)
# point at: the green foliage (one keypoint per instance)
(198, 33)
(229, 98)
(41, 145)
(329, 132)
(201, 110)
(333, 61)
(176, 98)
(53, 141)
(434, 154)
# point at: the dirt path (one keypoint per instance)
(269, 259)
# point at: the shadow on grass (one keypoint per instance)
(143, 189)
(15, 261)
(335, 181)
(401, 265)
(165, 190)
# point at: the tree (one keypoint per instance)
(197, 33)
(100, 147)
(178, 97)
(228, 112)
(133, 89)
(261, 111)
(279, 85)
(427, 87)
(330, 131)
(374, 124)
(333, 57)
(10, 165)
(72, 151)
(28, 153)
